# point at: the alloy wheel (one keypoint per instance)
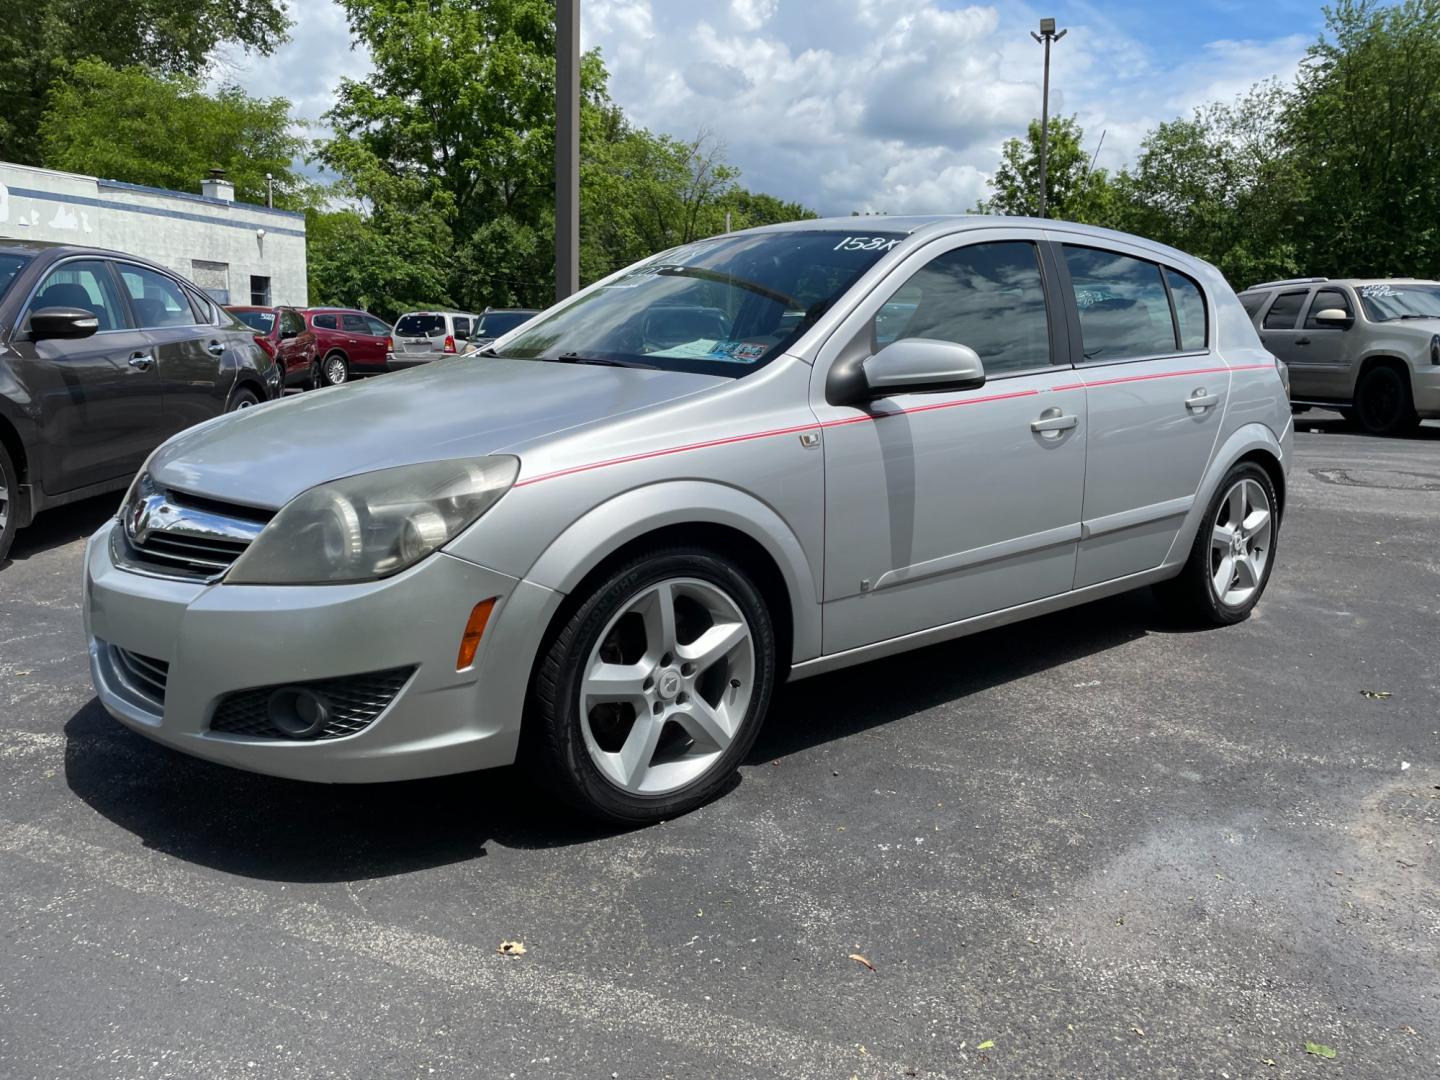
(4, 503)
(1240, 542)
(335, 371)
(667, 686)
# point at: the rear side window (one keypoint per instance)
(355, 324)
(420, 326)
(1189, 310)
(156, 300)
(10, 267)
(85, 284)
(1284, 311)
(324, 322)
(987, 296)
(1124, 309)
(1325, 300)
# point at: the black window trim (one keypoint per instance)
(1309, 308)
(1306, 296)
(125, 294)
(1072, 310)
(22, 323)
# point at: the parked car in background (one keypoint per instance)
(625, 529)
(348, 342)
(494, 323)
(103, 357)
(283, 333)
(1369, 348)
(422, 336)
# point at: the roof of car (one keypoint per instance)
(1305, 283)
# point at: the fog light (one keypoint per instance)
(297, 712)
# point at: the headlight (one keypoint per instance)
(365, 527)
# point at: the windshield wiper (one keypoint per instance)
(488, 351)
(594, 361)
(1407, 315)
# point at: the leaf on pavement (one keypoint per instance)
(1270, 1061)
(861, 960)
(1375, 695)
(511, 948)
(1319, 1050)
(988, 1044)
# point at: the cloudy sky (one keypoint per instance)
(891, 105)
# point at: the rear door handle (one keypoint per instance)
(1052, 422)
(1201, 399)
(141, 361)
(215, 348)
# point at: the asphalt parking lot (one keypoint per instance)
(1091, 845)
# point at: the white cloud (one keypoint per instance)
(895, 105)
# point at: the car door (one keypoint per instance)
(365, 349)
(188, 352)
(944, 506)
(1155, 395)
(97, 399)
(1280, 333)
(1321, 357)
(294, 346)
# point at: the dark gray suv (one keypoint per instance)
(103, 357)
(1369, 348)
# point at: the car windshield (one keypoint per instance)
(497, 323)
(256, 320)
(418, 326)
(724, 307)
(1384, 301)
(10, 267)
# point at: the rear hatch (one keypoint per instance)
(420, 333)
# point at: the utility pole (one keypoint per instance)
(1045, 37)
(567, 148)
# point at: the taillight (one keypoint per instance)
(266, 344)
(450, 343)
(389, 344)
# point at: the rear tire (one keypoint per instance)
(334, 370)
(9, 502)
(1228, 567)
(313, 380)
(1384, 404)
(637, 715)
(243, 398)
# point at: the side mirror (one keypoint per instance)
(922, 365)
(62, 322)
(1334, 318)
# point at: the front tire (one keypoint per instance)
(654, 688)
(1233, 554)
(334, 370)
(9, 502)
(1384, 404)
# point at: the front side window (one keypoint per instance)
(1124, 309)
(1327, 300)
(85, 284)
(156, 300)
(499, 323)
(726, 306)
(988, 296)
(462, 327)
(1285, 311)
(378, 328)
(1386, 302)
(1189, 310)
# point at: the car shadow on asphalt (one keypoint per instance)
(64, 525)
(284, 830)
(1324, 422)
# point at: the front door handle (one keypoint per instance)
(215, 348)
(141, 361)
(1201, 399)
(1302, 341)
(1052, 422)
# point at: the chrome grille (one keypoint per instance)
(145, 676)
(354, 703)
(179, 535)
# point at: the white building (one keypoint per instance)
(236, 252)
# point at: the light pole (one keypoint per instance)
(567, 148)
(1045, 37)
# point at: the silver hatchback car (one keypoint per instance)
(755, 458)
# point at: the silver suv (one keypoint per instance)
(754, 458)
(1369, 348)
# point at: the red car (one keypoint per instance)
(349, 342)
(282, 332)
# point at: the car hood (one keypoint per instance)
(454, 408)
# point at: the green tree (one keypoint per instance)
(39, 39)
(387, 261)
(1074, 190)
(1365, 128)
(129, 124)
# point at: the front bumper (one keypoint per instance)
(218, 639)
